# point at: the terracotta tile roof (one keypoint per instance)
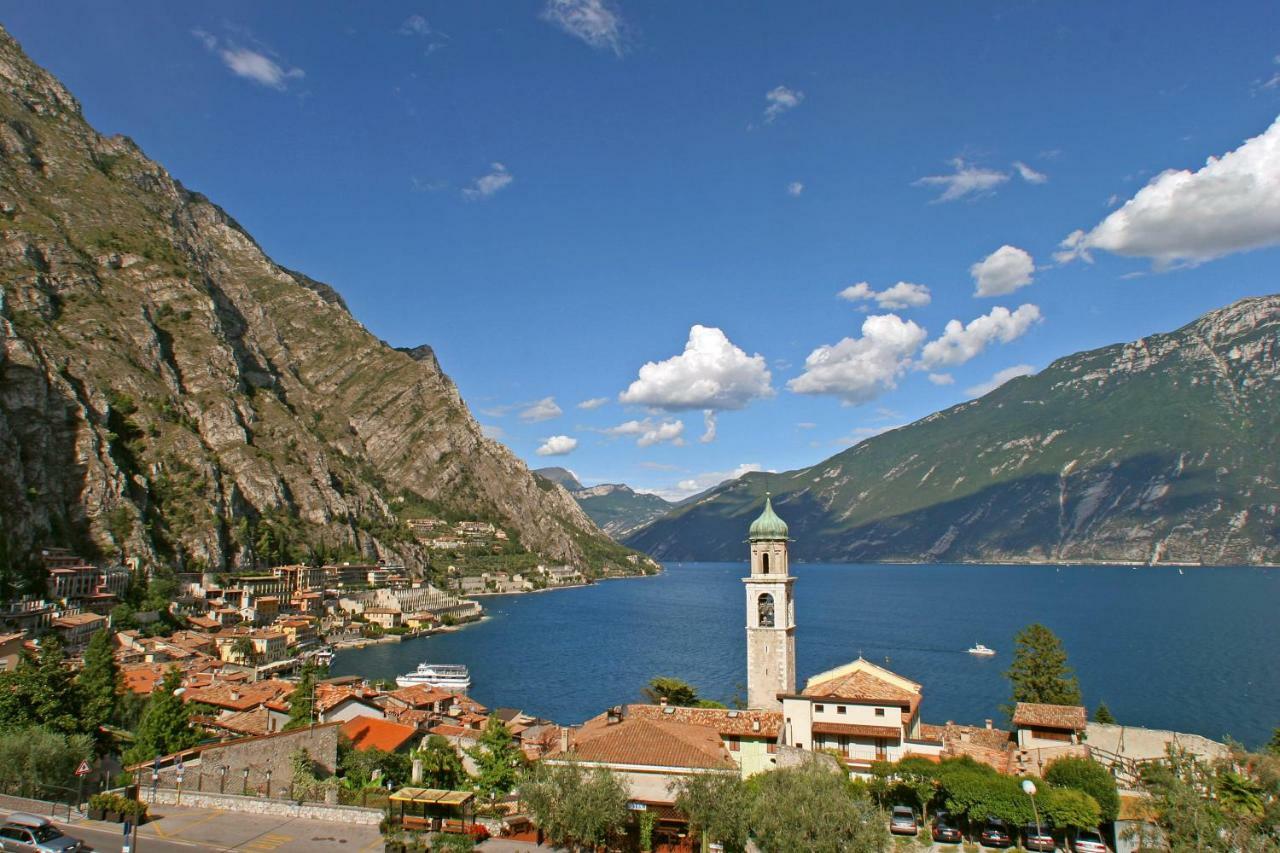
(448, 730)
(1071, 717)
(862, 681)
(996, 739)
(762, 724)
(419, 695)
(409, 716)
(855, 730)
(239, 697)
(656, 743)
(252, 722)
(374, 733)
(73, 620)
(204, 622)
(329, 696)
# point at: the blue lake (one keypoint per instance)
(1194, 652)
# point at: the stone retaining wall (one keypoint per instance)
(265, 806)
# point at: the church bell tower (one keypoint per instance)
(771, 614)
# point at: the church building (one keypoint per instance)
(771, 614)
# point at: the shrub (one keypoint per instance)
(1089, 776)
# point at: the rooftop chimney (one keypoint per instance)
(988, 722)
(662, 701)
(564, 739)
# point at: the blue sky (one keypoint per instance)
(555, 193)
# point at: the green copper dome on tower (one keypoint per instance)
(768, 525)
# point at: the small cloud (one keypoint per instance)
(486, 185)
(493, 431)
(942, 379)
(660, 466)
(1000, 377)
(649, 432)
(256, 65)
(709, 425)
(1029, 174)
(415, 25)
(857, 370)
(806, 425)
(541, 410)
(966, 180)
(701, 482)
(1003, 271)
(779, 100)
(795, 188)
(960, 343)
(593, 403)
(902, 295)
(557, 445)
(594, 22)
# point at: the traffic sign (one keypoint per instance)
(83, 769)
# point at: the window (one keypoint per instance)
(764, 564)
(879, 712)
(773, 748)
(818, 709)
(765, 607)
(840, 709)
(734, 744)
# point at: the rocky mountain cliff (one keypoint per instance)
(1166, 449)
(560, 476)
(169, 391)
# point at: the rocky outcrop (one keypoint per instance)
(1161, 450)
(168, 390)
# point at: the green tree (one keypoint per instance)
(40, 762)
(575, 806)
(165, 726)
(1039, 672)
(717, 805)
(46, 690)
(243, 649)
(359, 766)
(498, 760)
(99, 683)
(977, 791)
(810, 808)
(1068, 808)
(1103, 715)
(672, 690)
(302, 699)
(1273, 745)
(441, 766)
(1084, 774)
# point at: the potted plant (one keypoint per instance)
(112, 808)
(133, 811)
(393, 840)
(98, 806)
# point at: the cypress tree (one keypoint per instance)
(99, 683)
(1103, 714)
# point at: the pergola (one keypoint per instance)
(432, 808)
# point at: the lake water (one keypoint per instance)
(1195, 652)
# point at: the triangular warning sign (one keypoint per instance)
(83, 769)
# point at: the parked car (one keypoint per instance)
(995, 833)
(1088, 841)
(902, 821)
(945, 829)
(28, 833)
(1039, 839)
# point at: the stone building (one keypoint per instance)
(771, 614)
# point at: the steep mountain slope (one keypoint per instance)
(1164, 449)
(560, 476)
(166, 389)
(615, 507)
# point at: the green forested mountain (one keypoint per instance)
(617, 508)
(1164, 449)
(168, 391)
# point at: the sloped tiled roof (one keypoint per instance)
(856, 730)
(761, 724)
(1071, 717)
(239, 697)
(374, 733)
(419, 695)
(656, 743)
(863, 684)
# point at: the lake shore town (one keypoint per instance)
(262, 730)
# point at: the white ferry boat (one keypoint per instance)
(981, 650)
(446, 676)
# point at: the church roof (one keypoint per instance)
(863, 681)
(768, 525)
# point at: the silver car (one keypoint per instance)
(902, 821)
(28, 833)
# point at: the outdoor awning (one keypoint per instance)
(432, 796)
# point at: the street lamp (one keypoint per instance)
(222, 778)
(268, 783)
(1029, 788)
(245, 790)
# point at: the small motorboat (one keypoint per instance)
(981, 650)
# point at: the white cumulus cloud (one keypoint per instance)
(966, 180)
(594, 22)
(593, 403)
(858, 370)
(1003, 271)
(1029, 174)
(904, 294)
(557, 445)
(1000, 377)
(711, 373)
(960, 342)
(541, 410)
(649, 432)
(496, 180)
(795, 188)
(1231, 204)
(251, 64)
(779, 100)
(942, 379)
(701, 482)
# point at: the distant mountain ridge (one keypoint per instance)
(618, 509)
(1166, 449)
(169, 392)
